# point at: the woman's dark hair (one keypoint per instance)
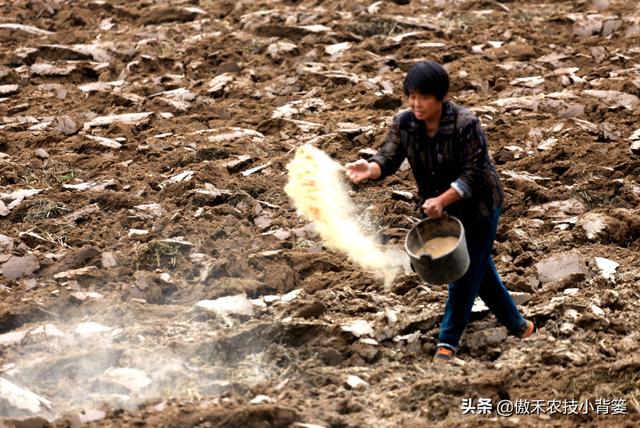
(427, 78)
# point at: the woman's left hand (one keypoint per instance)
(433, 207)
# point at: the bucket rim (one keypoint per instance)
(428, 219)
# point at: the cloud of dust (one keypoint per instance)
(121, 357)
(120, 361)
(317, 187)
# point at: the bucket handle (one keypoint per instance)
(412, 220)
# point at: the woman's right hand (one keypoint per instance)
(358, 171)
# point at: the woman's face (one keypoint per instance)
(424, 107)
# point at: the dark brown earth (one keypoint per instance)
(564, 149)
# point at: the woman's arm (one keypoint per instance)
(434, 207)
(361, 170)
(473, 156)
(392, 153)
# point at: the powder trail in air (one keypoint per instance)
(317, 187)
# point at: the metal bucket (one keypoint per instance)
(449, 266)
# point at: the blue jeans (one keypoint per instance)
(481, 279)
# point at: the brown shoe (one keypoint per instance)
(528, 331)
(443, 354)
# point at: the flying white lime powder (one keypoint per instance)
(317, 187)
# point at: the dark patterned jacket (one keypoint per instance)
(455, 157)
